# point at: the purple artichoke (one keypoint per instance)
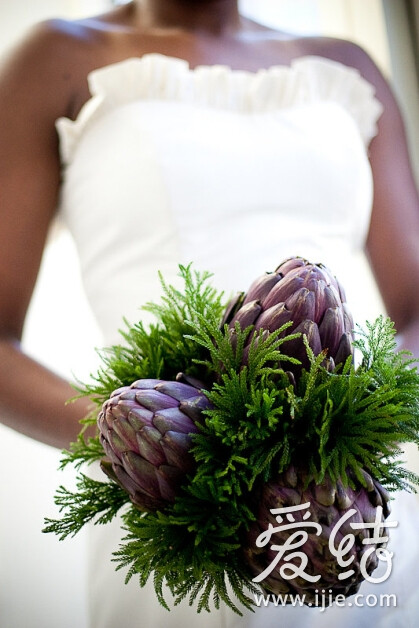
(309, 296)
(145, 430)
(329, 502)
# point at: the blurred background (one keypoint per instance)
(42, 580)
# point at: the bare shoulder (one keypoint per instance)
(352, 55)
(48, 45)
(291, 46)
(51, 63)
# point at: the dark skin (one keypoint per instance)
(45, 79)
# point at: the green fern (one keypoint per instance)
(93, 501)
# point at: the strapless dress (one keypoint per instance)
(233, 171)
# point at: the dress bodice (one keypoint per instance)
(229, 169)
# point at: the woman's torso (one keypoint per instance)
(231, 170)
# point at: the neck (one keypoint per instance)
(211, 16)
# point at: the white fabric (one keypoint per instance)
(165, 164)
(234, 171)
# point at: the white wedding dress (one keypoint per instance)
(234, 171)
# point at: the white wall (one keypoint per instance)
(346, 19)
(404, 66)
(16, 16)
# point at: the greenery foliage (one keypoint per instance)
(261, 421)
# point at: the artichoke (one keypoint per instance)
(329, 502)
(146, 432)
(308, 295)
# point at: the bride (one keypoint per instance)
(158, 130)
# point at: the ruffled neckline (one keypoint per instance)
(159, 77)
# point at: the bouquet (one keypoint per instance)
(248, 448)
